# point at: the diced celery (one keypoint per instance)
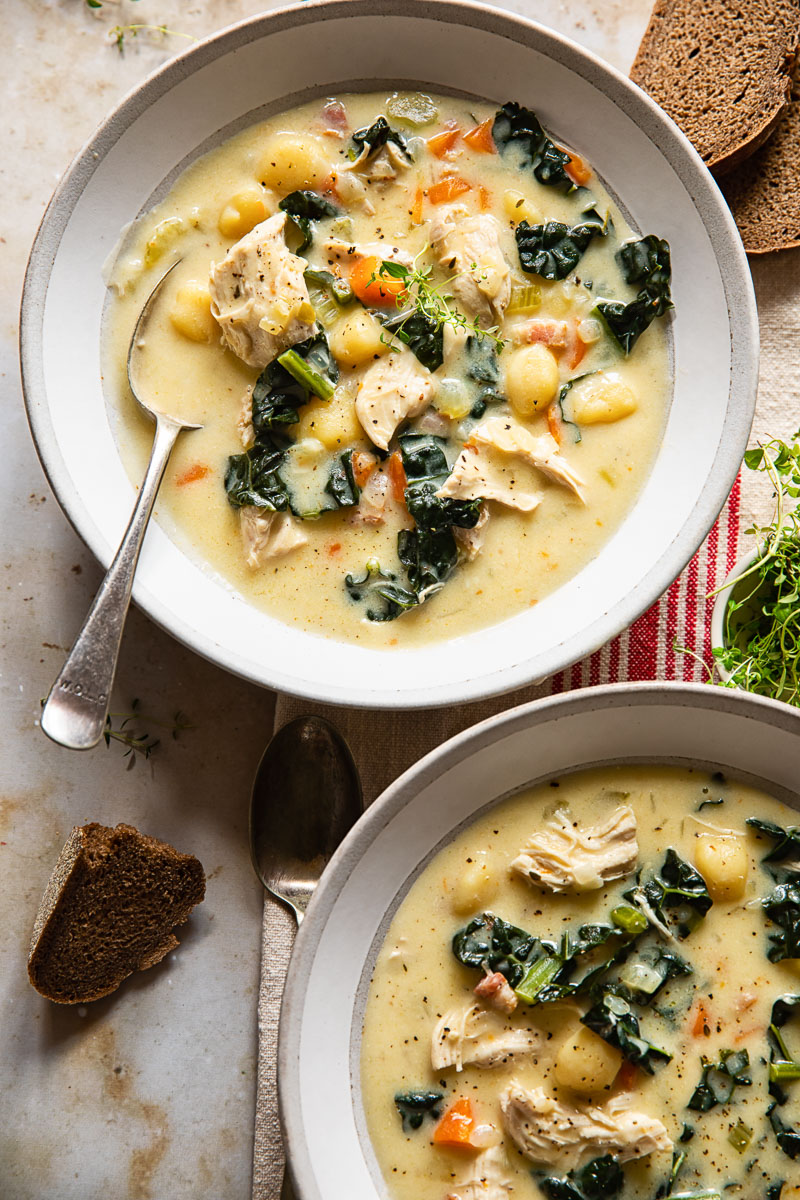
(164, 234)
(414, 109)
(626, 917)
(537, 976)
(527, 298)
(740, 1136)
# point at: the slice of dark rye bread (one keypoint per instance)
(108, 910)
(764, 193)
(722, 71)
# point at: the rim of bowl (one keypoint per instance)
(674, 147)
(419, 776)
(720, 605)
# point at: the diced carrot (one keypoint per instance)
(334, 548)
(744, 1034)
(440, 143)
(328, 184)
(448, 189)
(702, 1021)
(576, 351)
(554, 422)
(397, 476)
(456, 1126)
(416, 211)
(480, 138)
(626, 1076)
(362, 465)
(578, 171)
(373, 288)
(198, 471)
(484, 198)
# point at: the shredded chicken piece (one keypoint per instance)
(540, 329)
(371, 507)
(259, 297)
(562, 858)
(267, 534)
(486, 1177)
(495, 990)
(481, 474)
(244, 422)
(474, 1037)
(393, 390)
(385, 164)
(337, 250)
(352, 191)
(542, 452)
(470, 247)
(553, 1134)
(471, 540)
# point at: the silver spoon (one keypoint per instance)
(306, 796)
(75, 712)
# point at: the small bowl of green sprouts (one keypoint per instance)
(755, 626)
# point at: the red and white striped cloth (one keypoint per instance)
(681, 618)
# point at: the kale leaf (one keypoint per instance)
(787, 842)
(788, 1139)
(518, 126)
(782, 907)
(678, 896)
(341, 485)
(483, 369)
(564, 391)
(774, 1191)
(554, 249)
(720, 1080)
(423, 335)
(612, 1018)
(783, 1068)
(600, 1178)
(336, 287)
(646, 262)
(253, 478)
(490, 943)
(415, 1106)
(366, 143)
(304, 207)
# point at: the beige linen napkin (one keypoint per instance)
(386, 743)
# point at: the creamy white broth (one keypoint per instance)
(417, 979)
(524, 556)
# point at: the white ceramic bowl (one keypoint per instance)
(318, 1066)
(721, 604)
(257, 68)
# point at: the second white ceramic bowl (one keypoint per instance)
(277, 60)
(747, 737)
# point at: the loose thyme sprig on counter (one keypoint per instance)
(762, 617)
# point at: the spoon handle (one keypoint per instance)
(75, 712)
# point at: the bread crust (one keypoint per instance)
(109, 909)
(721, 71)
(764, 194)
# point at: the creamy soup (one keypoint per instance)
(575, 998)
(420, 338)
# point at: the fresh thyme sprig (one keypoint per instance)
(118, 34)
(762, 616)
(433, 301)
(137, 740)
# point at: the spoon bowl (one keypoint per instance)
(306, 796)
(75, 712)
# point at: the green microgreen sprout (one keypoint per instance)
(762, 618)
(119, 33)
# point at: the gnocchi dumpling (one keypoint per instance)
(519, 208)
(723, 862)
(531, 379)
(332, 422)
(191, 313)
(290, 162)
(475, 886)
(586, 1064)
(243, 212)
(601, 399)
(358, 339)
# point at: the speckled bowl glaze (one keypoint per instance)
(750, 738)
(253, 70)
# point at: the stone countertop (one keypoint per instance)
(148, 1094)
